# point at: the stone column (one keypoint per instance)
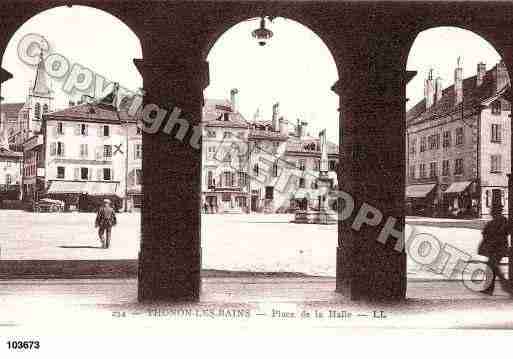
(372, 171)
(170, 256)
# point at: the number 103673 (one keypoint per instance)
(23, 344)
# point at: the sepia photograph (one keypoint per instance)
(330, 170)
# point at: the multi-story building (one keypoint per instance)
(458, 145)
(90, 152)
(258, 166)
(10, 168)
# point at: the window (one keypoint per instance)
(496, 108)
(83, 150)
(45, 108)
(106, 131)
(243, 179)
(60, 129)
(227, 135)
(107, 174)
(445, 168)
(434, 141)
(226, 197)
(255, 169)
(447, 139)
(210, 179)
(302, 183)
(84, 173)
(138, 130)
(422, 170)
(317, 165)
(60, 149)
(423, 144)
(37, 110)
(496, 133)
(459, 136)
(495, 161)
(227, 158)
(412, 171)
(301, 165)
(61, 172)
(332, 165)
(138, 151)
(269, 192)
(433, 169)
(107, 151)
(275, 169)
(413, 146)
(228, 179)
(458, 166)
(211, 133)
(8, 179)
(83, 129)
(138, 177)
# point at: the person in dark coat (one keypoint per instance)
(105, 220)
(495, 246)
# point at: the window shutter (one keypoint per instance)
(90, 173)
(54, 130)
(99, 174)
(99, 153)
(100, 132)
(77, 129)
(62, 147)
(53, 149)
(86, 129)
(112, 174)
(76, 172)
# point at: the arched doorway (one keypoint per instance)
(458, 145)
(77, 148)
(263, 112)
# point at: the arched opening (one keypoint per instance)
(458, 148)
(65, 118)
(269, 116)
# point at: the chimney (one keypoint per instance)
(481, 71)
(501, 76)
(276, 114)
(233, 100)
(458, 83)
(438, 89)
(302, 129)
(429, 90)
(283, 126)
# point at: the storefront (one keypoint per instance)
(460, 199)
(420, 200)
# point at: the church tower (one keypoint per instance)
(39, 101)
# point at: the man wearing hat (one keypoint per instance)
(105, 220)
(495, 246)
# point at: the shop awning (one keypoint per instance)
(67, 187)
(457, 187)
(419, 190)
(304, 193)
(102, 189)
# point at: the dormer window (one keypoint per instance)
(226, 116)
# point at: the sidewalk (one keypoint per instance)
(267, 304)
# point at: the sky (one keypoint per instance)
(295, 68)
(439, 48)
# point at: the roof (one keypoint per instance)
(40, 84)
(309, 145)
(473, 95)
(90, 112)
(213, 115)
(11, 110)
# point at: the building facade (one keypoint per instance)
(458, 145)
(258, 166)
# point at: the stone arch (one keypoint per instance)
(17, 22)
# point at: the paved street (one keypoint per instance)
(259, 243)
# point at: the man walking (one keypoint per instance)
(105, 220)
(495, 246)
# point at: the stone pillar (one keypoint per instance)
(170, 256)
(372, 171)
